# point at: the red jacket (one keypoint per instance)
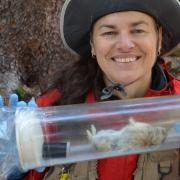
(117, 168)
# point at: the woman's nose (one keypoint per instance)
(124, 43)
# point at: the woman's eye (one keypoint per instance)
(109, 33)
(138, 31)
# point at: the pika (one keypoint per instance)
(134, 134)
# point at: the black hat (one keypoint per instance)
(78, 16)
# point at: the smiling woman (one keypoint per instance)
(120, 44)
(126, 45)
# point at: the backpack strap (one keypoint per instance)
(85, 170)
(164, 168)
(138, 173)
(163, 165)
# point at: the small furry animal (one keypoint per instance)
(135, 134)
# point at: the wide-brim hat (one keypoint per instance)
(78, 16)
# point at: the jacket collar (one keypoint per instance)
(159, 79)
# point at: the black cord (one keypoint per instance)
(107, 92)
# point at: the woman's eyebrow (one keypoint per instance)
(110, 26)
(139, 23)
(107, 26)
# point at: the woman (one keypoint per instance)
(120, 43)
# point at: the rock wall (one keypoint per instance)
(31, 51)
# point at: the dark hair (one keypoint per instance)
(167, 38)
(77, 79)
(167, 41)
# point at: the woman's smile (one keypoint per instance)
(128, 59)
(119, 65)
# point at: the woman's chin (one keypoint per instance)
(126, 80)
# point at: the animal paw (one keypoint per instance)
(92, 132)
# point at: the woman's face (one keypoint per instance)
(125, 45)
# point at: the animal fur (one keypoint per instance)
(135, 134)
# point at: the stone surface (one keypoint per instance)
(31, 51)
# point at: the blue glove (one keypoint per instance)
(16, 173)
(1, 102)
(13, 102)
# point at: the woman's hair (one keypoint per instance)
(77, 79)
(166, 41)
(167, 38)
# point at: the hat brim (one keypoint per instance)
(78, 16)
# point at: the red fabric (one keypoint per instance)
(34, 175)
(48, 98)
(116, 168)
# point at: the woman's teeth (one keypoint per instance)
(125, 60)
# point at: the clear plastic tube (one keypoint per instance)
(40, 137)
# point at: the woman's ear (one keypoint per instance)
(92, 48)
(159, 39)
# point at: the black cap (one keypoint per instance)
(78, 16)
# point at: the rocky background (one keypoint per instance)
(31, 50)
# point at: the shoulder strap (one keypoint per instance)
(158, 165)
(86, 170)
